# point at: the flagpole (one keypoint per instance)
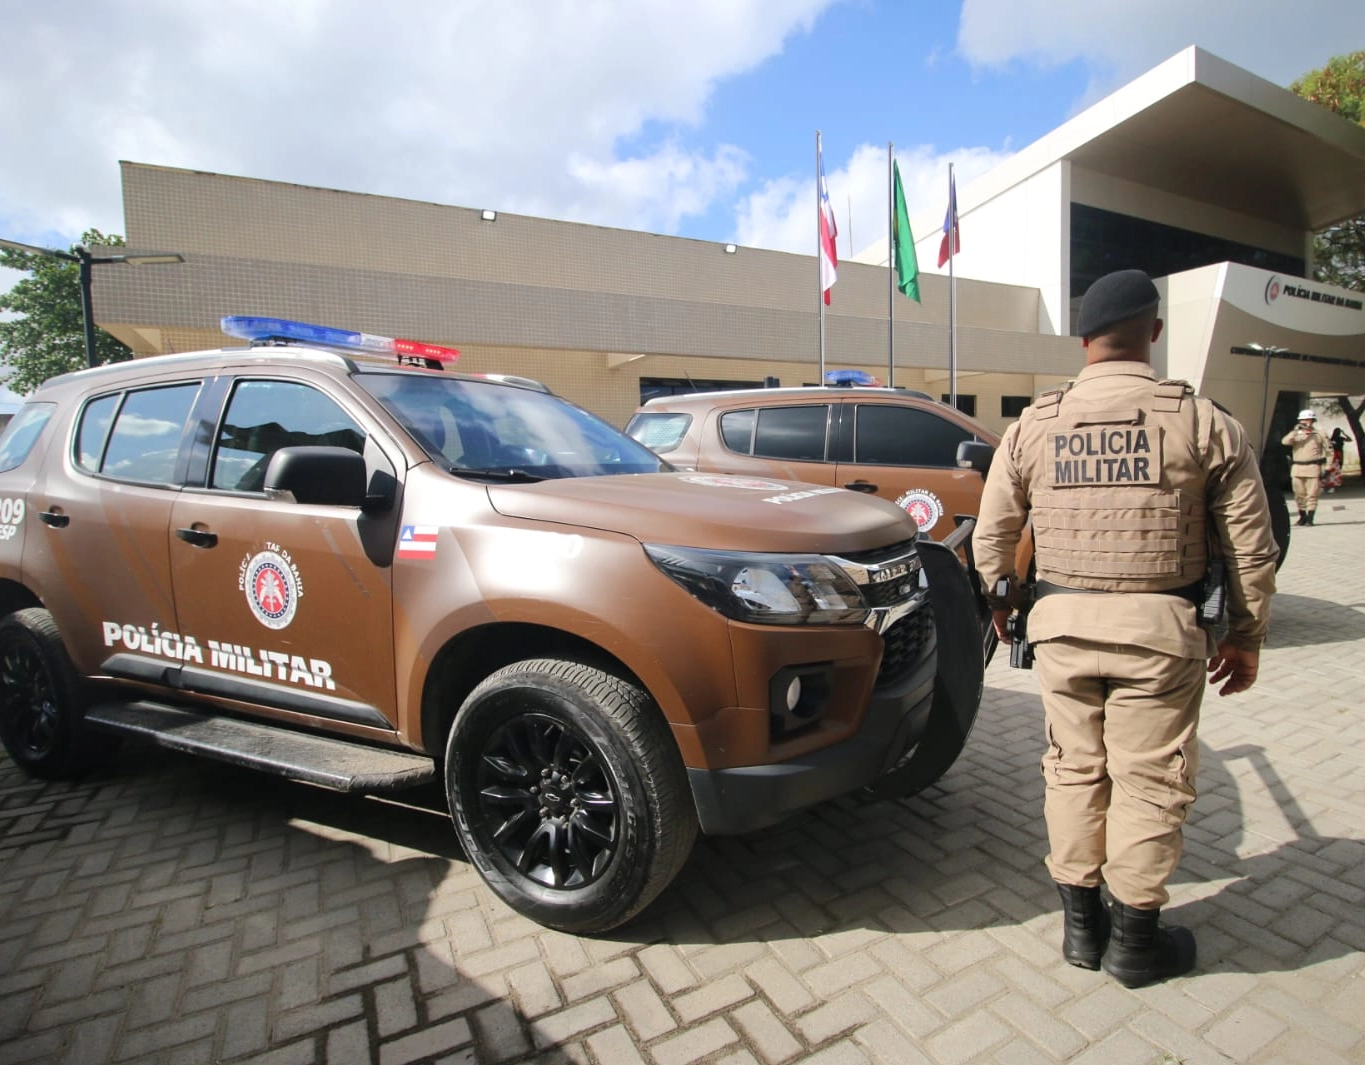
(952, 297)
(819, 252)
(890, 268)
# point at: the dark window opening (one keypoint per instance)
(966, 404)
(1104, 241)
(1013, 406)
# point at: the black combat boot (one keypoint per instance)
(1303, 518)
(1143, 952)
(1309, 519)
(1085, 929)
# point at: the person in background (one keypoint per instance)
(1309, 456)
(1130, 484)
(1331, 477)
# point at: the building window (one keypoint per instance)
(653, 387)
(1013, 406)
(1103, 241)
(966, 404)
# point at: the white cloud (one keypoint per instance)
(1119, 39)
(519, 105)
(781, 213)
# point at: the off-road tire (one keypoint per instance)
(41, 699)
(568, 793)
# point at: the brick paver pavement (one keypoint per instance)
(176, 910)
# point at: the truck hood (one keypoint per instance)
(711, 510)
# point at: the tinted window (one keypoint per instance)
(264, 416)
(145, 439)
(1013, 406)
(94, 430)
(659, 432)
(792, 432)
(22, 433)
(737, 430)
(903, 436)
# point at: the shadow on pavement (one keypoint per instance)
(1302, 621)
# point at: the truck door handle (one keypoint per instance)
(197, 537)
(51, 517)
(861, 486)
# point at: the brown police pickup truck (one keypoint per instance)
(314, 558)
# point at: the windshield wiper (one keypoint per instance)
(504, 473)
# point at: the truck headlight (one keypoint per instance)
(770, 589)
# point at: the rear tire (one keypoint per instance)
(568, 793)
(41, 699)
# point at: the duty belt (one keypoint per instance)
(1309, 462)
(1193, 592)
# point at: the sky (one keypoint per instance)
(695, 119)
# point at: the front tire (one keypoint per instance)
(568, 793)
(41, 701)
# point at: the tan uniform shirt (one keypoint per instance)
(1215, 473)
(1310, 446)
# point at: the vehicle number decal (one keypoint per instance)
(726, 480)
(272, 586)
(11, 517)
(922, 505)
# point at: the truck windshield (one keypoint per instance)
(485, 429)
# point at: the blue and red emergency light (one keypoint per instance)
(256, 328)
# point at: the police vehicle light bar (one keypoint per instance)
(256, 328)
(850, 377)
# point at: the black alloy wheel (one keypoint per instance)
(568, 793)
(40, 698)
(547, 801)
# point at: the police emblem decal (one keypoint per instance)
(272, 586)
(922, 505)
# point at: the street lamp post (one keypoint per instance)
(85, 261)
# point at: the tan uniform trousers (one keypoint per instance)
(1120, 763)
(1307, 483)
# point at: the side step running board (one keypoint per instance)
(343, 765)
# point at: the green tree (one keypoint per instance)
(48, 336)
(1339, 251)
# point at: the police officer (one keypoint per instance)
(1310, 453)
(1128, 481)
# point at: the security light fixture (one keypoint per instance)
(730, 249)
(489, 216)
(86, 261)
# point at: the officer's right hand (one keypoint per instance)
(1235, 666)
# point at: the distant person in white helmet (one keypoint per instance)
(1309, 455)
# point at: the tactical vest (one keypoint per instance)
(1117, 491)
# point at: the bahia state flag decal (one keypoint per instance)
(417, 541)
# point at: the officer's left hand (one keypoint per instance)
(1001, 620)
(1235, 665)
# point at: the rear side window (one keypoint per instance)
(659, 432)
(264, 416)
(135, 436)
(792, 432)
(737, 430)
(22, 433)
(904, 436)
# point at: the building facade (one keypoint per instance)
(1204, 175)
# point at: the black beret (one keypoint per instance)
(1115, 298)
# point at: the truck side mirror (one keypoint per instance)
(975, 455)
(330, 476)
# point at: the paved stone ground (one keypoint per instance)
(180, 911)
